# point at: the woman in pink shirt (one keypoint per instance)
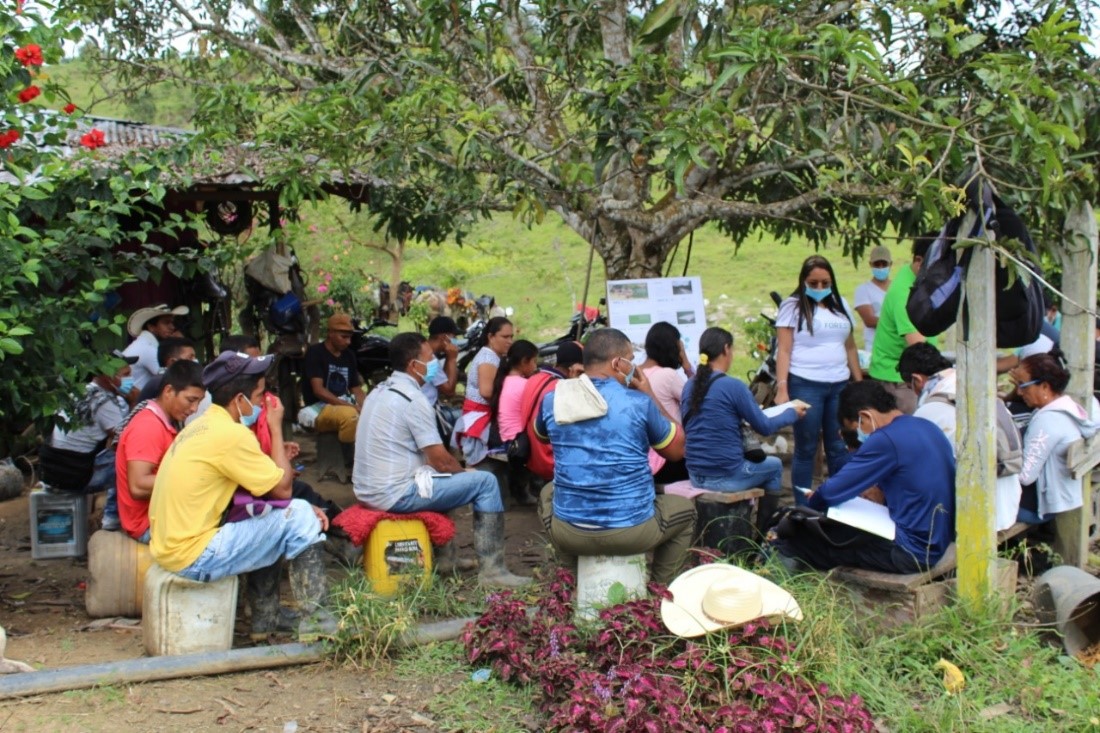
(665, 357)
(518, 364)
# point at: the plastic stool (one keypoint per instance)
(181, 616)
(598, 577)
(397, 548)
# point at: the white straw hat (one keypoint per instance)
(722, 596)
(141, 316)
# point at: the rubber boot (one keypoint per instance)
(310, 587)
(518, 486)
(347, 450)
(447, 561)
(765, 510)
(489, 545)
(268, 617)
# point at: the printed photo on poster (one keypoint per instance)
(633, 306)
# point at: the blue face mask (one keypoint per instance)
(250, 419)
(860, 435)
(126, 385)
(817, 295)
(880, 273)
(431, 370)
(629, 376)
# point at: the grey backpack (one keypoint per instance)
(1010, 446)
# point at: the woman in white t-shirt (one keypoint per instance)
(869, 295)
(816, 358)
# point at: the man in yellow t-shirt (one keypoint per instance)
(208, 462)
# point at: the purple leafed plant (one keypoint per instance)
(627, 674)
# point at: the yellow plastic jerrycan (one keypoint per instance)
(396, 549)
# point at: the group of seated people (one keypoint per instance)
(191, 446)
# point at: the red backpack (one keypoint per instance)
(541, 460)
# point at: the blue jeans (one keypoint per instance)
(103, 472)
(767, 475)
(477, 487)
(820, 420)
(241, 547)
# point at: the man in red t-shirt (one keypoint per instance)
(568, 365)
(147, 438)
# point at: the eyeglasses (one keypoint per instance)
(1021, 385)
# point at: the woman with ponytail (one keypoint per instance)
(714, 406)
(816, 358)
(515, 367)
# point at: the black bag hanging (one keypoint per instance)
(933, 303)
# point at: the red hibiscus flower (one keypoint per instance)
(8, 138)
(93, 139)
(69, 108)
(29, 55)
(29, 93)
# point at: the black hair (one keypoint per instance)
(922, 243)
(495, 324)
(662, 344)
(923, 358)
(181, 375)
(171, 347)
(238, 342)
(240, 384)
(805, 305)
(713, 343)
(1046, 368)
(519, 352)
(865, 395)
(404, 348)
(604, 345)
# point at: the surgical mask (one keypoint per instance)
(880, 273)
(431, 370)
(250, 419)
(629, 376)
(818, 295)
(860, 435)
(126, 385)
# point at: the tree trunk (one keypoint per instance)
(629, 253)
(397, 261)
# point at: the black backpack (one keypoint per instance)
(933, 303)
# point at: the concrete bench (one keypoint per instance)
(898, 598)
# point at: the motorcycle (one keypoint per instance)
(580, 325)
(372, 351)
(762, 380)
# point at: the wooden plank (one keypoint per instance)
(1083, 456)
(1078, 253)
(975, 437)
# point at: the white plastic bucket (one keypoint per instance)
(181, 616)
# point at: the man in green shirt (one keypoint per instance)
(895, 331)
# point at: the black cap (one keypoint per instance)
(569, 353)
(232, 364)
(441, 325)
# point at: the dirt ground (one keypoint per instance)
(42, 609)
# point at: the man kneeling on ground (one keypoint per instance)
(603, 500)
(912, 462)
(401, 465)
(209, 460)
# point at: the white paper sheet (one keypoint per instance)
(866, 515)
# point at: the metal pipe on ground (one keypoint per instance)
(152, 669)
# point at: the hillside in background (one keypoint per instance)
(105, 96)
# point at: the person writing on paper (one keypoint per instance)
(714, 406)
(912, 462)
(402, 467)
(603, 500)
(816, 357)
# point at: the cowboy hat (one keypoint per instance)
(141, 316)
(722, 596)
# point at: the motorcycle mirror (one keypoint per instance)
(509, 311)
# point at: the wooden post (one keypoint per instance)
(976, 537)
(1078, 341)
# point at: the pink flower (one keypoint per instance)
(312, 228)
(330, 302)
(322, 289)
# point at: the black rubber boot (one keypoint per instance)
(765, 510)
(447, 561)
(268, 617)
(489, 545)
(310, 587)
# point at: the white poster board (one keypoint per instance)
(633, 306)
